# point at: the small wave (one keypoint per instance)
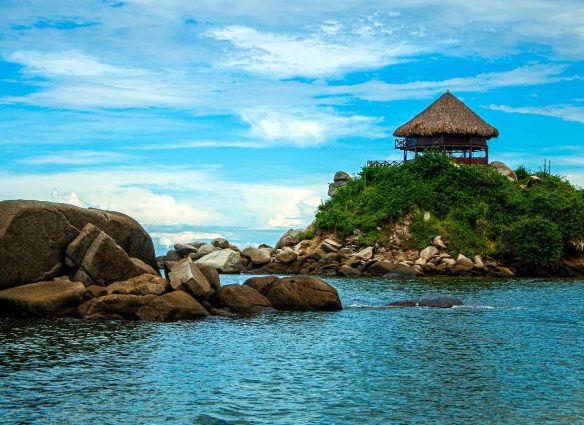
(476, 307)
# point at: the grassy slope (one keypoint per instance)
(477, 210)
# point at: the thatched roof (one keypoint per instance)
(447, 115)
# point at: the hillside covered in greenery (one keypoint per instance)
(476, 209)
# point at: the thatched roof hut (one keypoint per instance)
(447, 115)
(449, 126)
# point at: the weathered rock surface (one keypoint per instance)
(291, 237)
(259, 256)
(303, 293)
(242, 299)
(211, 275)
(402, 272)
(99, 259)
(261, 283)
(185, 275)
(142, 285)
(114, 306)
(220, 243)
(437, 301)
(224, 261)
(286, 255)
(176, 305)
(42, 299)
(341, 179)
(185, 249)
(34, 237)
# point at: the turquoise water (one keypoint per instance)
(514, 354)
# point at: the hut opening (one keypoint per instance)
(450, 126)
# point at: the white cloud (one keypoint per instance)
(168, 239)
(315, 55)
(173, 196)
(308, 127)
(529, 75)
(73, 158)
(68, 63)
(564, 112)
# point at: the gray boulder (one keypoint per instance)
(224, 261)
(35, 235)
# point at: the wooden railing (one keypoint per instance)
(384, 163)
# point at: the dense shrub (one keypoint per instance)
(473, 207)
(536, 241)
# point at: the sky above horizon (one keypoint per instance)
(230, 117)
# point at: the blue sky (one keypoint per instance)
(230, 117)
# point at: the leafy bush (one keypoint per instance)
(473, 207)
(536, 241)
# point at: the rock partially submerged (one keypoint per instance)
(436, 301)
(42, 299)
(305, 293)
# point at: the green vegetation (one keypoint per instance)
(309, 234)
(477, 210)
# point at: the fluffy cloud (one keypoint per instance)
(565, 112)
(172, 196)
(319, 54)
(307, 127)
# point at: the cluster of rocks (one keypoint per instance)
(85, 272)
(328, 256)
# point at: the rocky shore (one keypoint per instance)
(58, 260)
(325, 255)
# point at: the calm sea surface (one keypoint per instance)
(513, 354)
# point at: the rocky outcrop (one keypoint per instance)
(436, 301)
(303, 293)
(34, 237)
(340, 180)
(55, 298)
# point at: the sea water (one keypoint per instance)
(513, 354)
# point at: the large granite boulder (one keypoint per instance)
(436, 301)
(224, 261)
(177, 305)
(286, 255)
(303, 293)
(99, 260)
(35, 235)
(42, 299)
(242, 299)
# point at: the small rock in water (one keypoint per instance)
(436, 301)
